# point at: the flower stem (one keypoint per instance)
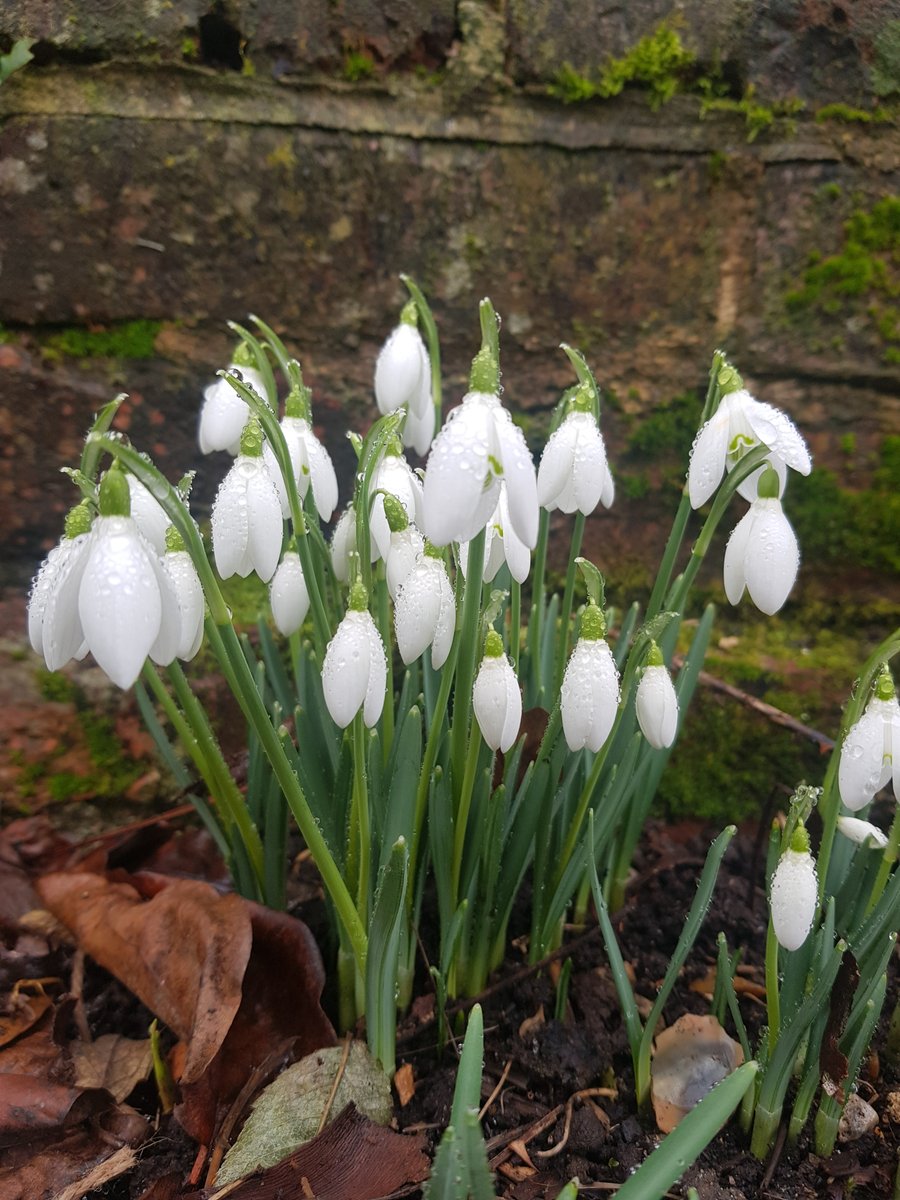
(537, 604)
(462, 813)
(361, 809)
(515, 622)
(888, 858)
(384, 628)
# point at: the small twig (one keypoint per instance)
(608, 1093)
(497, 1090)
(80, 1014)
(521, 1137)
(775, 1158)
(348, 1042)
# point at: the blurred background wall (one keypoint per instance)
(646, 180)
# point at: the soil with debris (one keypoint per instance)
(558, 1093)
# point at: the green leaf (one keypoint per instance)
(19, 55)
(681, 1147)
(383, 956)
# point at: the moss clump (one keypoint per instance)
(854, 528)
(357, 65)
(127, 339)
(867, 266)
(885, 71)
(669, 430)
(851, 116)
(658, 63)
(758, 117)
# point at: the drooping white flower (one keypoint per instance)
(425, 611)
(656, 703)
(864, 833)
(53, 630)
(312, 468)
(403, 369)
(246, 514)
(149, 515)
(288, 595)
(589, 698)
(394, 476)
(573, 472)
(794, 893)
(496, 698)
(738, 425)
(419, 429)
(189, 594)
(762, 554)
(343, 544)
(224, 414)
(354, 673)
(477, 448)
(501, 545)
(870, 754)
(406, 547)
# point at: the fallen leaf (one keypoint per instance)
(288, 1112)
(30, 1105)
(405, 1083)
(231, 979)
(690, 1058)
(25, 845)
(115, 1063)
(23, 1013)
(532, 1023)
(350, 1157)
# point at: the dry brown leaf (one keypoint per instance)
(690, 1058)
(24, 1012)
(30, 1106)
(405, 1083)
(350, 1157)
(112, 1062)
(532, 1023)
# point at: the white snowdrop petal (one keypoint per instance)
(278, 479)
(119, 600)
(416, 612)
(707, 461)
(224, 414)
(165, 648)
(555, 467)
(148, 514)
(608, 492)
(418, 429)
(191, 602)
(446, 622)
(497, 702)
(403, 552)
(733, 569)
(519, 477)
(62, 635)
(864, 833)
(377, 682)
(399, 368)
(772, 558)
(589, 697)
(288, 595)
(231, 522)
(656, 704)
(460, 490)
(863, 767)
(421, 400)
(345, 671)
(793, 898)
(265, 529)
(324, 478)
(776, 430)
(590, 471)
(343, 543)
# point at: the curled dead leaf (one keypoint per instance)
(691, 1057)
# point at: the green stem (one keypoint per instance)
(515, 622)
(888, 859)
(470, 633)
(562, 653)
(537, 601)
(461, 816)
(773, 993)
(432, 743)
(363, 831)
(384, 628)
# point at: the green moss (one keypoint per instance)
(852, 528)
(866, 267)
(885, 70)
(357, 65)
(190, 48)
(659, 63)
(246, 598)
(758, 117)
(126, 339)
(669, 430)
(849, 115)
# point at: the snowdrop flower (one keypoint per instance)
(870, 754)
(118, 591)
(864, 833)
(288, 595)
(794, 892)
(762, 554)
(656, 703)
(738, 425)
(149, 515)
(425, 611)
(589, 698)
(403, 380)
(189, 594)
(311, 462)
(224, 414)
(246, 513)
(477, 448)
(54, 631)
(406, 545)
(573, 474)
(501, 545)
(496, 698)
(394, 476)
(354, 674)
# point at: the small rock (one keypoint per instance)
(858, 1119)
(892, 1107)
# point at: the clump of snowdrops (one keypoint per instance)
(434, 720)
